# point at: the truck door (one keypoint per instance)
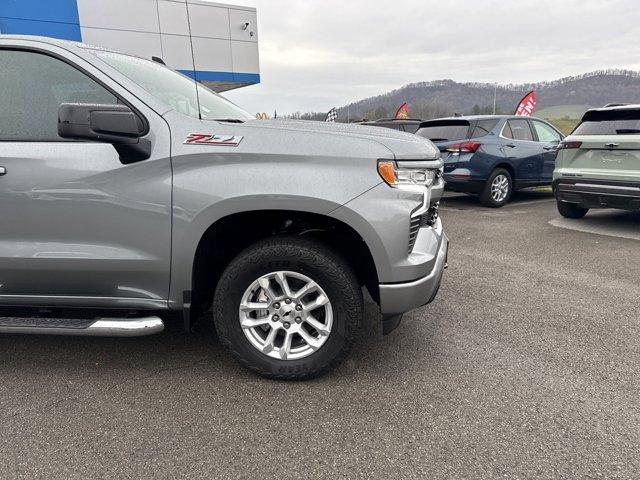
(79, 225)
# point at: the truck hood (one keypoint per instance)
(403, 146)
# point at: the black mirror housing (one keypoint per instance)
(100, 123)
(115, 124)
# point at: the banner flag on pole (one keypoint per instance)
(332, 116)
(527, 105)
(402, 112)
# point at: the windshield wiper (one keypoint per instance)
(622, 131)
(228, 120)
(439, 139)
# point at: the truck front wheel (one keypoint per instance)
(288, 308)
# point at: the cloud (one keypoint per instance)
(315, 54)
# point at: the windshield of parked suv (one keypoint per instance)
(444, 130)
(609, 122)
(174, 89)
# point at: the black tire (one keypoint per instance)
(487, 199)
(571, 210)
(306, 257)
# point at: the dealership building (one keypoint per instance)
(214, 43)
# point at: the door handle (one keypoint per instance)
(3, 171)
(554, 147)
(511, 145)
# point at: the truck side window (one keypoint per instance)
(33, 86)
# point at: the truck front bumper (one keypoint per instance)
(397, 298)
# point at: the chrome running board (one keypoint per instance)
(93, 327)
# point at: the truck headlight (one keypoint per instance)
(395, 176)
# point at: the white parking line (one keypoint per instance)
(529, 202)
(508, 205)
(605, 222)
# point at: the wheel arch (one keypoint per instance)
(227, 236)
(509, 168)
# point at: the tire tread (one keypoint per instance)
(571, 210)
(318, 255)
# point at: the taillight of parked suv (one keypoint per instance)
(464, 147)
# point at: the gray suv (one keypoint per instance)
(129, 197)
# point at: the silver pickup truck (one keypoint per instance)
(130, 197)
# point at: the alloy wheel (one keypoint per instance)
(286, 315)
(500, 188)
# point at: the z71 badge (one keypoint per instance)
(211, 139)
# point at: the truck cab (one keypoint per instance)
(131, 194)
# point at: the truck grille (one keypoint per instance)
(427, 219)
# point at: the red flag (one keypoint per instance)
(403, 112)
(527, 105)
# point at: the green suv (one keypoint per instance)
(598, 165)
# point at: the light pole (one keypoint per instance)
(495, 95)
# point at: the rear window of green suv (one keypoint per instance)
(609, 122)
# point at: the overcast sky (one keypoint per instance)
(316, 54)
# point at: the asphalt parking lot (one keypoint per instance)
(525, 366)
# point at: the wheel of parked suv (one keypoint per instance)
(288, 308)
(571, 210)
(498, 189)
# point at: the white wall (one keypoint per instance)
(161, 28)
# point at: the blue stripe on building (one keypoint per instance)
(48, 18)
(209, 76)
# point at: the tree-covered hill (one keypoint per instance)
(446, 97)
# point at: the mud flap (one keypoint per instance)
(390, 323)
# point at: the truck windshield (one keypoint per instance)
(174, 89)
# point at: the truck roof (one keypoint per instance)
(51, 40)
(62, 43)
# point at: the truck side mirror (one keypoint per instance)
(115, 124)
